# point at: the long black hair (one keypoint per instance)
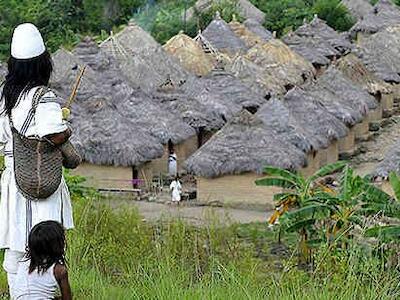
(23, 75)
(46, 246)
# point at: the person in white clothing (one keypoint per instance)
(176, 189)
(29, 68)
(43, 271)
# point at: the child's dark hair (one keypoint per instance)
(46, 246)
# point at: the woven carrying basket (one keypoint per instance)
(37, 162)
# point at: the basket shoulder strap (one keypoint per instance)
(35, 102)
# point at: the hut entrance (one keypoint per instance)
(135, 177)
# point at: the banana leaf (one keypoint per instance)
(277, 172)
(279, 182)
(384, 233)
(327, 170)
(395, 183)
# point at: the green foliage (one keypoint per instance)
(284, 16)
(334, 13)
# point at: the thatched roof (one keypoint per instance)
(380, 54)
(277, 118)
(358, 8)
(279, 61)
(391, 162)
(195, 113)
(189, 54)
(3, 72)
(102, 135)
(222, 37)
(317, 29)
(353, 68)
(248, 11)
(317, 52)
(245, 34)
(320, 127)
(384, 14)
(143, 61)
(224, 93)
(122, 103)
(257, 28)
(244, 145)
(255, 77)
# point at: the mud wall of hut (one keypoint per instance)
(235, 189)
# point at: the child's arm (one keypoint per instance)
(61, 274)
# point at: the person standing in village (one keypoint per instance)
(176, 189)
(29, 68)
(172, 164)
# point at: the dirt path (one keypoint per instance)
(196, 215)
(374, 150)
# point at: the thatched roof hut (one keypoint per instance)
(120, 101)
(255, 77)
(258, 29)
(3, 71)
(244, 145)
(189, 54)
(222, 37)
(391, 162)
(317, 29)
(384, 14)
(317, 52)
(320, 126)
(358, 8)
(380, 54)
(106, 137)
(353, 68)
(143, 61)
(223, 93)
(279, 61)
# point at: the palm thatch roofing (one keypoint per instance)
(123, 109)
(143, 61)
(380, 54)
(277, 118)
(320, 127)
(384, 14)
(353, 68)
(255, 77)
(245, 34)
(317, 29)
(317, 52)
(106, 137)
(244, 145)
(222, 37)
(279, 61)
(390, 163)
(358, 8)
(223, 93)
(258, 29)
(189, 54)
(192, 111)
(3, 72)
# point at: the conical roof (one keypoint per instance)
(246, 35)
(358, 8)
(390, 163)
(143, 61)
(189, 54)
(222, 37)
(258, 29)
(244, 145)
(384, 14)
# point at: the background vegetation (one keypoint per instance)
(63, 22)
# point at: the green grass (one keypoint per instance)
(114, 254)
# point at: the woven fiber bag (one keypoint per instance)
(37, 162)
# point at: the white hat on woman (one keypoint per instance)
(27, 42)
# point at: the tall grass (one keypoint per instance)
(115, 254)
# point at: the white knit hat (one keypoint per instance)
(27, 42)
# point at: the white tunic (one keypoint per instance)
(172, 165)
(176, 190)
(35, 286)
(15, 210)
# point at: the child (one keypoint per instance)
(176, 188)
(44, 269)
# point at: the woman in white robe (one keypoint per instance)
(176, 189)
(18, 214)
